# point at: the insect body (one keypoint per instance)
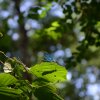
(48, 57)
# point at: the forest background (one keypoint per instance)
(67, 29)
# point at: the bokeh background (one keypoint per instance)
(67, 29)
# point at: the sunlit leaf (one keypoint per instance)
(7, 79)
(50, 71)
(55, 24)
(45, 10)
(10, 91)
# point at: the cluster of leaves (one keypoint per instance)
(81, 16)
(17, 82)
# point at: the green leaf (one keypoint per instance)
(55, 24)
(7, 79)
(50, 71)
(46, 93)
(9, 93)
(40, 82)
(45, 10)
(43, 14)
